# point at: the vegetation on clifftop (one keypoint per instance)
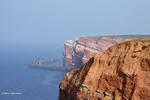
(132, 36)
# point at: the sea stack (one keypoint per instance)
(122, 72)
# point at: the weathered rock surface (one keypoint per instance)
(75, 55)
(67, 53)
(122, 72)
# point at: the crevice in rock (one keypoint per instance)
(118, 64)
(114, 95)
(123, 87)
(132, 92)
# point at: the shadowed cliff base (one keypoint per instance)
(122, 72)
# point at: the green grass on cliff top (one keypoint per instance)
(132, 36)
(144, 40)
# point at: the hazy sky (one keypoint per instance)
(45, 21)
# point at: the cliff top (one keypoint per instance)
(95, 39)
(122, 36)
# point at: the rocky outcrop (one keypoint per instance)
(67, 53)
(75, 55)
(122, 72)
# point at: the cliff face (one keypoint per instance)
(122, 72)
(75, 55)
(67, 53)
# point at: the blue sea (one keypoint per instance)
(19, 82)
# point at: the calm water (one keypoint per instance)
(18, 82)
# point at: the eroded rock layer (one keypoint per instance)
(75, 55)
(122, 72)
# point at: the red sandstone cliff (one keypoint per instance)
(67, 54)
(75, 55)
(122, 72)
